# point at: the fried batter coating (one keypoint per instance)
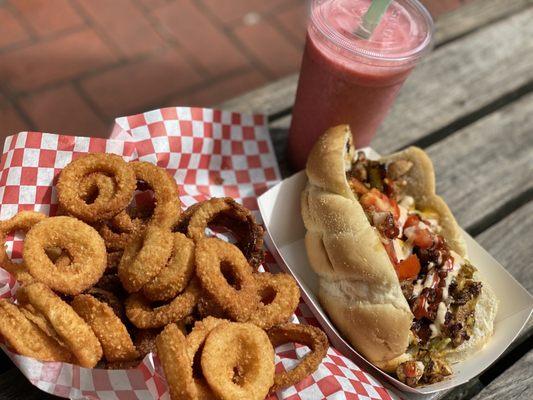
(108, 328)
(238, 361)
(144, 257)
(140, 312)
(226, 212)
(167, 203)
(22, 221)
(69, 326)
(172, 351)
(175, 276)
(279, 295)
(70, 195)
(227, 277)
(83, 244)
(308, 335)
(26, 338)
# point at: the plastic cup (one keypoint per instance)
(345, 79)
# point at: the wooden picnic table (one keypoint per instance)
(469, 104)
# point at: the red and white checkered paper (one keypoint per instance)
(210, 153)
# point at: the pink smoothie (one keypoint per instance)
(345, 79)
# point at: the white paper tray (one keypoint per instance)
(280, 210)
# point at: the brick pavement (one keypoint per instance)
(71, 66)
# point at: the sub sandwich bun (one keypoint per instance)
(393, 270)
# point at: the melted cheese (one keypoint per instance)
(402, 249)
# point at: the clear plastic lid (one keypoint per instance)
(403, 35)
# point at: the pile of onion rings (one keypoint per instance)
(112, 279)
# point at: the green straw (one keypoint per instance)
(372, 17)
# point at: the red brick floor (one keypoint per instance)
(71, 66)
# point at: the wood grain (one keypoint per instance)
(510, 242)
(461, 78)
(483, 166)
(474, 14)
(516, 383)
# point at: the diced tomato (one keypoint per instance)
(419, 308)
(408, 268)
(419, 236)
(409, 369)
(374, 200)
(412, 220)
(357, 186)
(423, 238)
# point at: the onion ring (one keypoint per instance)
(142, 315)
(26, 338)
(238, 361)
(171, 349)
(182, 224)
(96, 186)
(70, 327)
(42, 323)
(199, 332)
(229, 214)
(165, 188)
(308, 335)
(108, 298)
(110, 331)
(120, 230)
(22, 221)
(175, 276)
(144, 257)
(195, 342)
(102, 208)
(216, 259)
(82, 243)
(279, 295)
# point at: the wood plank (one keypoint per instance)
(516, 383)
(487, 164)
(461, 78)
(474, 14)
(279, 95)
(509, 241)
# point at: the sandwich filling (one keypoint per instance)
(437, 282)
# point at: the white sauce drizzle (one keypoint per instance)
(439, 320)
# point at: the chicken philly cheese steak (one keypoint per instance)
(394, 277)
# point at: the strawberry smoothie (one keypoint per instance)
(347, 79)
